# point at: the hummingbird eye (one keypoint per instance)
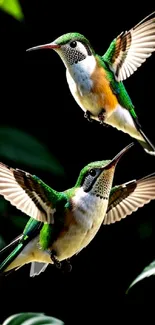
(73, 44)
(92, 172)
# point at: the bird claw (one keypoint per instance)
(55, 260)
(87, 115)
(102, 115)
(65, 266)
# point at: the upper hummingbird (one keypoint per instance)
(63, 223)
(96, 82)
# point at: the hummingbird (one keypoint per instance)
(96, 82)
(61, 224)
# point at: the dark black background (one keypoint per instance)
(34, 97)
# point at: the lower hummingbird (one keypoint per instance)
(61, 224)
(96, 82)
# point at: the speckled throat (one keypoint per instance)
(91, 206)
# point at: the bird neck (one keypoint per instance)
(82, 71)
(88, 208)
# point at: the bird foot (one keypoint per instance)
(64, 266)
(55, 260)
(102, 116)
(87, 115)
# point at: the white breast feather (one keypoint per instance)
(90, 209)
(80, 73)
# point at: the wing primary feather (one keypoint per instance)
(129, 197)
(145, 19)
(27, 193)
(135, 45)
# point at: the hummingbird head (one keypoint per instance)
(96, 178)
(71, 47)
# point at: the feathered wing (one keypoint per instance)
(128, 197)
(130, 49)
(28, 193)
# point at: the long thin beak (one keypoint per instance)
(44, 46)
(115, 160)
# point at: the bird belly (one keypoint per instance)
(98, 220)
(69, 242)
(74, 241)
(99, 96)
(81, 231)
(31, 253)
(122, 120)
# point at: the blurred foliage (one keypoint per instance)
(145, 230)
(19, 222)
(22, 151)
(21, 147)
(13, 8)
(32, 319)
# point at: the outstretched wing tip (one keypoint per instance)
(24, 192)
(127, 199)
(132, 48)
(3, 165)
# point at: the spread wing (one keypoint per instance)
(128, 197)
(28, 193)
(131, 48)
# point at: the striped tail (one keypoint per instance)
(14, 253)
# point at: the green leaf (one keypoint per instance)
(13, 8)
(32, 319)
(21, 147)
(148, 271)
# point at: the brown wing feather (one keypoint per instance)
(128, 197)
(133, 47)
(27, 193)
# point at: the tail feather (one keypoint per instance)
(37, 268)
(5, 249)
(146, 144)
(10, 258)
(125, 121)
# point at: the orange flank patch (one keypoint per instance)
(105, 97)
